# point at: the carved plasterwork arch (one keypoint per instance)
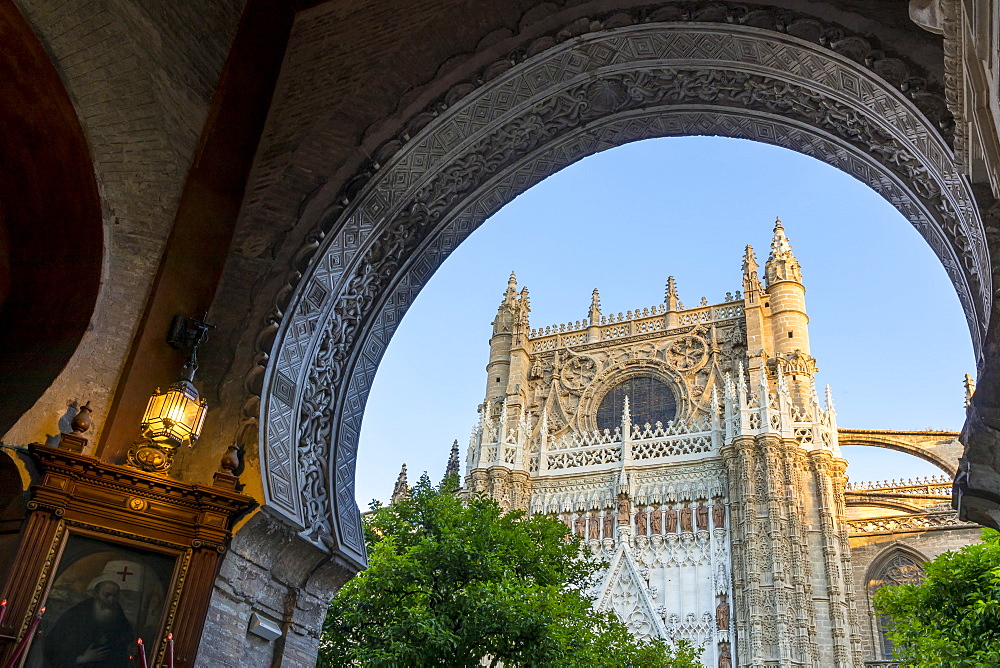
(588, 94)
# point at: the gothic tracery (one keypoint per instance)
(697, 471)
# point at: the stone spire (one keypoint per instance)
(671, 299)
(970, 389)
(751, 279)
(781, 263)
(513, 309)
(452, 468)
(595, 308)
(401, 490)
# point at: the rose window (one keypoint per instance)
(650, 400)
(687, 352)
(578, 372)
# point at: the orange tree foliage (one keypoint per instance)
(952, 618)
(453, 583)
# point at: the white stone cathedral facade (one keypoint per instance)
(688, 448)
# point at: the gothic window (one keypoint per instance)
(649, 399)
(899, 568)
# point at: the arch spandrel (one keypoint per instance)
(581, 97)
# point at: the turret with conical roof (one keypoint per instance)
(781, 263)
(786, 303)
(787, 296)
(508, 333)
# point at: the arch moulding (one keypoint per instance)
(533, 118)
(941, 449)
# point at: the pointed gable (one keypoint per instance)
(624, 591)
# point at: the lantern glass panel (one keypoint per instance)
(177, 414)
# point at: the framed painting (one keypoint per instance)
(104, 596)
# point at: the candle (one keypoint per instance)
(170, 650)
(3, 610)
(142, 654)
(26, 640)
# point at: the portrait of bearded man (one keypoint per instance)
(94, 633)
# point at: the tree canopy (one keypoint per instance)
(953, 617)
(459, 583)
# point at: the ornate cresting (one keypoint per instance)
(571, 100)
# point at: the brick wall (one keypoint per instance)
(141, 76)
(270, 572)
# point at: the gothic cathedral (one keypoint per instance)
(689, 448)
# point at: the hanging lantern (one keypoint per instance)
(175, 417)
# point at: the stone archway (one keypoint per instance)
(528, 119)
(896, 564)
(942, 449)
(52, 241)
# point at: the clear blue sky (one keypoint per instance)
(886, 327)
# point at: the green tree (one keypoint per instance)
(452, 583)
(953, 617)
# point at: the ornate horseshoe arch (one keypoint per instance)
(588, 94)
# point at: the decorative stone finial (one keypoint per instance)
(512, 282)
(671, 298)
(829, 399)
(595, 307)
(751, 279)
(749, 260)
(781, 264)
(401, 490)
(81, 422)
(970, 389)
(452, 468)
